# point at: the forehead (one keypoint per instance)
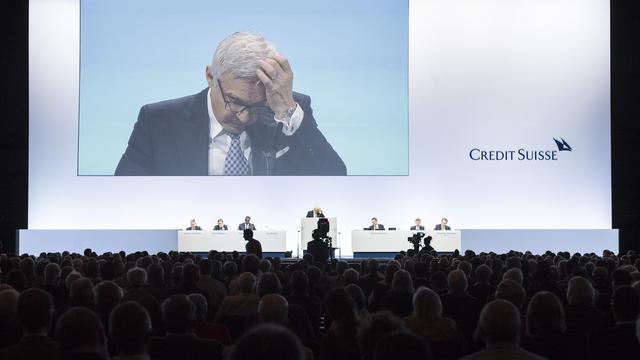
(242, 89)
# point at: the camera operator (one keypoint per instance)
(321, 243)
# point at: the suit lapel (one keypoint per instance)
(192, 136)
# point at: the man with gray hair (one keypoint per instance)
(248, 121)
(499, 329)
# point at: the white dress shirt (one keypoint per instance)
(220, 141)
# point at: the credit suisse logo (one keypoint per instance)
(521, 154)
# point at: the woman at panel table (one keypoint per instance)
(221, 225)
(193, 225)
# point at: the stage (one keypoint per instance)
(354, 244)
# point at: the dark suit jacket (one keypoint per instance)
(380, 227)
(197, 228)
(618, 342)
(414, 228)
(439, 227)
(224, 227)
(244, 226)
(172, 138)
(310, 214)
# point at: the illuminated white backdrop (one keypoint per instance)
(494, 75)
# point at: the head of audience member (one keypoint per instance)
(52, 274)
(155, 275)
(499, 323)
(190, 275)
(350, 276)
(80, 331)
(268, 284)
(457, 282)
(511, 291)
(206, 267)
(514, 274)
(382, 323)
(137, 278)
(201, 305)
(17, 279)
(247, 283)
(483, 274)
(299, 282)
(251, 263)
(340, 307)
(8, 306)
(268, 340)
(81, 293)
(545, 314)
(130, 329)
(625, 303)
(427, 304)
(229, 269)
(580, 291)
(373, 267)
(265, 266)
(402, 345)
(108, 296)
(466, 267)
(273, 308)
(402, 281)
(179, 314)
(71, 278)
(359, 299)
(247, 234)
(621, 277)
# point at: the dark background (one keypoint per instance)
(625, 120)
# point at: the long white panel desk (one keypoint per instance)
(369, 241)
(232, 240)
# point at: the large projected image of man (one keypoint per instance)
(248, 121)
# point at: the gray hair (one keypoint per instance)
(238, 55)
(580, 291)
(402, 281)
(427, 304)
(137, 277)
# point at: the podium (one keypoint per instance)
(307, 225)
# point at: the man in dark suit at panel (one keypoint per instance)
(193, 226)
(315, 213)
(220, 225)
(443, 225)
(248, 121)
(247, 225)
(417, 226)
(375, 225)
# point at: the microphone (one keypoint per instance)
(270, 151)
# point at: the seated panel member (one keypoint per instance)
(247, 225)
(248, 114)
(417, 226)
(443, 225)
(221, 225)
(375, 225)
(193, 226)
(315, 213)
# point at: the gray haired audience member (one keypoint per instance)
(499, 329)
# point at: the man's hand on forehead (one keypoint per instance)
(276, 75)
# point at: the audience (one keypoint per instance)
(553, 305)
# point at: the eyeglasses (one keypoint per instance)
(240, 108)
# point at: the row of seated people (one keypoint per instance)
(168, 306)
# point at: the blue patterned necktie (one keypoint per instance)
(235, 164)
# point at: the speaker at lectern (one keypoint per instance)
(307, 225)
